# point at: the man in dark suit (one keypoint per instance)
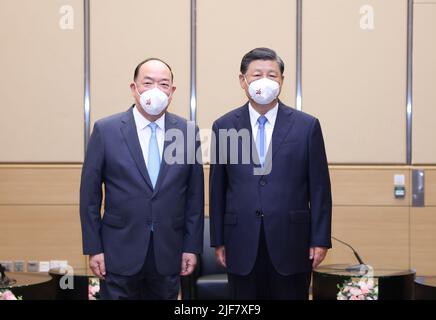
(153, 219)
(271, 216)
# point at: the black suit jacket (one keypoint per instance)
(294, 198)
(175, 207)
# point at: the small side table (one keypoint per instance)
(392, 284)
(425, 288)
(71, 286)
(31, 286)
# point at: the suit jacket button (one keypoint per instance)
(262, 183)
(259, 213)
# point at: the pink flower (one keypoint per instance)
(355, 291)
(364, 288)
(94, 290)
(353, 298)
(8, 295)
(347, 289)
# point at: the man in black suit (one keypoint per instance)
(271, 217)
(153, 220)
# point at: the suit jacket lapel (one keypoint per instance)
(243, 122)
(283, 125)
(128, 129)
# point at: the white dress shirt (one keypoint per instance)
(269, 125)
(144, 133)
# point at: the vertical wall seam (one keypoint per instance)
(87, 73)
(298, 95)
(409, 83)
(193, 72)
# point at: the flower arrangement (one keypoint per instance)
(94, 289)
(363, 288)
(8, 295)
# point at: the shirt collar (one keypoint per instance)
(271, 115)
(142, 123)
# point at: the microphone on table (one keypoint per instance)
(357, 267)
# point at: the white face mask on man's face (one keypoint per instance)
(153, 101)
(263, 91)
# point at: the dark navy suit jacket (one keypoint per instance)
(294, 198)
(175, 207)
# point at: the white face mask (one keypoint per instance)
(264, 90)
(153, 101)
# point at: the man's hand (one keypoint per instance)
(317, 254)
(220, 254)
(189, 261)
(96, 263)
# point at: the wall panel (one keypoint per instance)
(430, 187)
(379, 234)
(124, 33)
(39, 185)
(424, 79)
(41, 233)
(423, 228)
(368, 186)
(41, 62)
(354, 78)
(226, 31)
(39, 213)
(423, 240)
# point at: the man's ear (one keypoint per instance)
(173, 89)
(242, 82)
(133, 89)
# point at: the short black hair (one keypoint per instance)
(135, 74)
(261, 54)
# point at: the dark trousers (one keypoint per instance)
(148, 284)
(265, 283)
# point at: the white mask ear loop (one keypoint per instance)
(136, 88)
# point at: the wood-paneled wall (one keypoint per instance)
(227, 30)
(385, 230)
(354, 77)
(353, 71)
(39, 213)
(41, 63)
(39, 216)
(367, 215)
(423, 228)
(124, 33)
(354, 81)
(424, 78)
